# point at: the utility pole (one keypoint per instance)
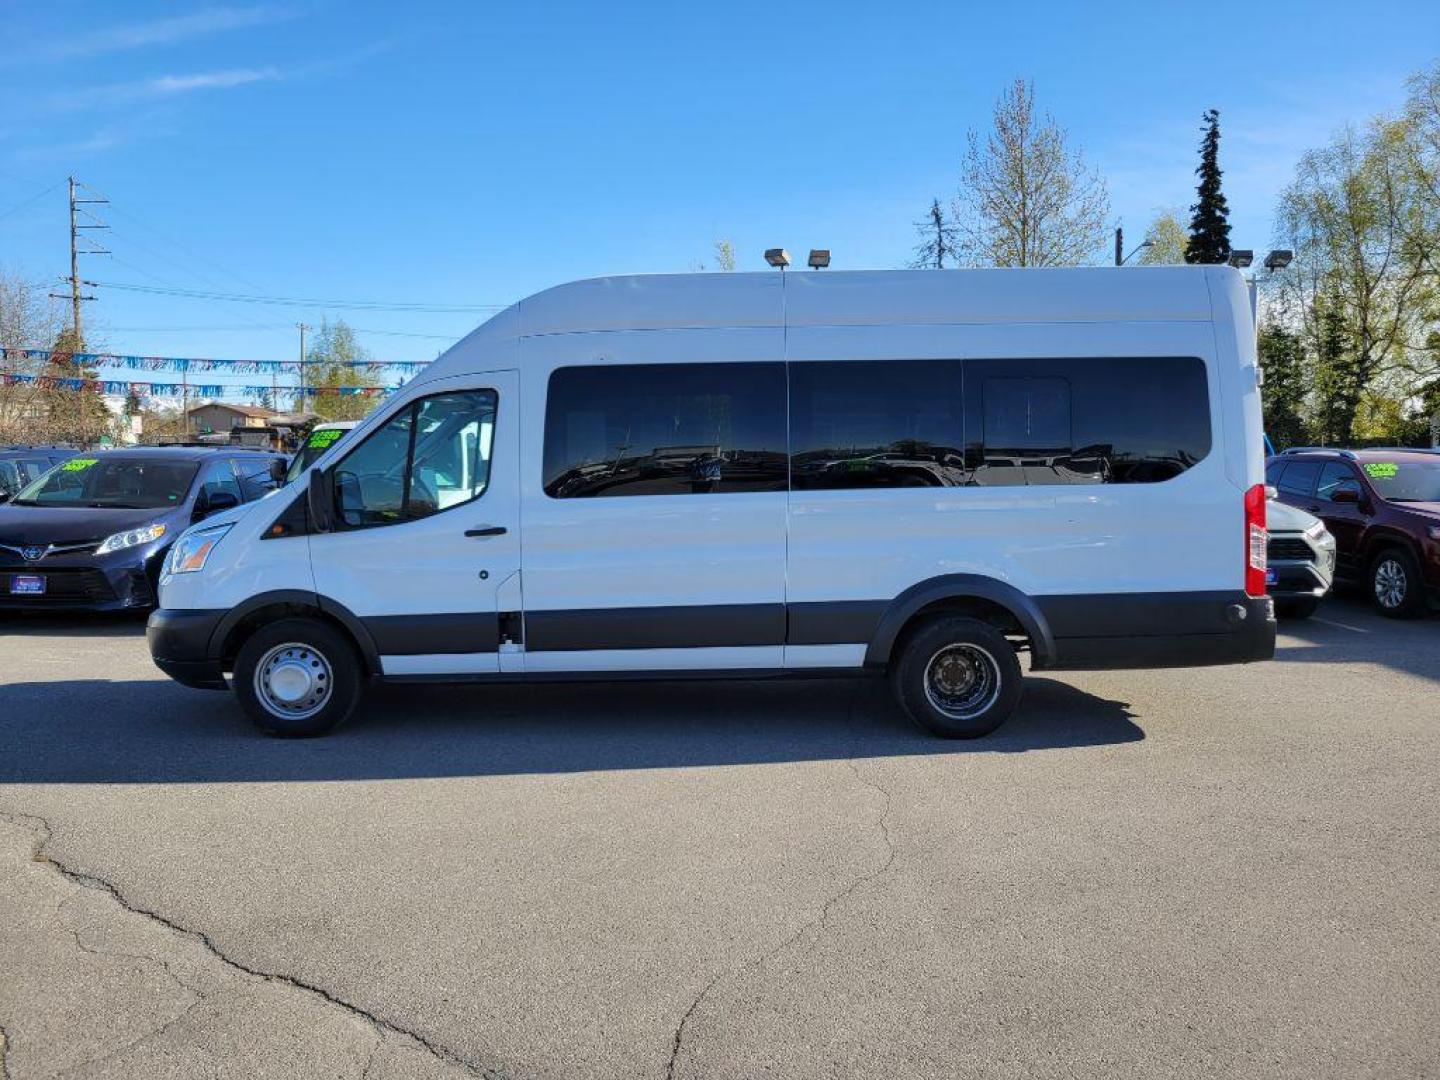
(302, 328)
(77, 338)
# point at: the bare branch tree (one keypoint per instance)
(937, 240)
(1025, 198)
(28, 320)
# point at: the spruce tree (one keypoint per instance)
(1209, 229)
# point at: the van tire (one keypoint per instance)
(304, 661)
(1396, 588)
(977, 662)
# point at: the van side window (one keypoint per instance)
(665, 429)
(1299, 478)
(1106, 420)
(431, 456)
(876, 424)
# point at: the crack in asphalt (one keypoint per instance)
(43, 832)
(147, 1037)
(816, 924)
(4, 1053)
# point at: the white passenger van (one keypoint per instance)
(913, 473)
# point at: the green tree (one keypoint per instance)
(70, 415)
(937, 240)
(1287, 385)
(1338, 382)
(1209, 224)
(1361, 294)
(333, 357)
(1166, 240)
(1027, 199)
(724, 256)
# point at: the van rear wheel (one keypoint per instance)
(957, 677)
(297, 678)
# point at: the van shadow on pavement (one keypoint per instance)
(154, 731)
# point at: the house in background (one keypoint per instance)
(221, 418)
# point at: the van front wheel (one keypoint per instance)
(957, 677)
(297, 678)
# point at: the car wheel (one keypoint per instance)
(957, 677)
(1395, 584)
(298, 678)
(1296, 609)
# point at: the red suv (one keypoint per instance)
(1383, 507)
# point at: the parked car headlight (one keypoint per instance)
(1435, 532)
(1320, 534)
(130, 538)
(192, 550)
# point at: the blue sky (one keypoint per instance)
(466, 154)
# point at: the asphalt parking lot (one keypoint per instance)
(1228, 872)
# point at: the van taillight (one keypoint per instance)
(1255, 537)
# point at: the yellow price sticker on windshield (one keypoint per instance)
(321, 439)
(79, 464)
(1382, 470)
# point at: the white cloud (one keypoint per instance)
(163, 86)
(167, 31)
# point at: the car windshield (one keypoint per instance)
(318, 442)
(116, 483)
(1405, 481)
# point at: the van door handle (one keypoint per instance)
(486, 530)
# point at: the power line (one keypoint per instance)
(295, 301)
(33, 199)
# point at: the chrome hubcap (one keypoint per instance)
(962, 681)
(293, 681)
(1390, 584)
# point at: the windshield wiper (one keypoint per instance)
(116, 506)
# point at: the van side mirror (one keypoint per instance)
(278, 470)
(320, 500)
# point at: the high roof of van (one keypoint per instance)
(857, 297)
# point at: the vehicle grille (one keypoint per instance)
(1288, 547)
(63, 586)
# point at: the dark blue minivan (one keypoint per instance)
(92, 533)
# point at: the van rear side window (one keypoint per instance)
(665, 429)
(1111, 420)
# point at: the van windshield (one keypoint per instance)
(112, 483)
(1405, 481)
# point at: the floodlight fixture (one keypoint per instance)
(1240, 258)
(1278, 259)
(819, 258)
(777, 257)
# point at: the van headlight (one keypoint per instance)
(130, 538)
(192, 550)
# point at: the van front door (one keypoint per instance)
(426, 546)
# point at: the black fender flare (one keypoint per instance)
(962, 586)
(303, 598)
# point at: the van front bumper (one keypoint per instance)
(180, 644)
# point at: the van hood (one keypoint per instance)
(75, 525)
(1281, 517)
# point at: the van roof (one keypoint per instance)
(851, 298)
